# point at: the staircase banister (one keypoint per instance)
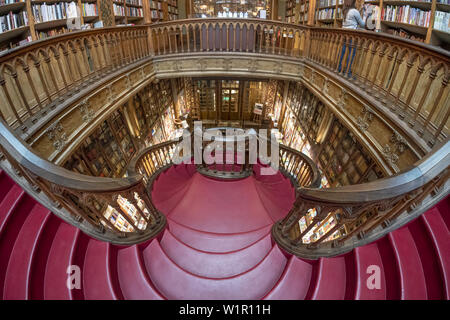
(60, 176)
(131, 169)
(422, 172)
(316, 177)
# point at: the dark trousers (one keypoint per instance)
(350, 53)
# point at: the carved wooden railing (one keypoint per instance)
(115, 210)
(38, 76)
(228, 35)
(364, 212)
(298, 167)
(152, 160)
(408, 77)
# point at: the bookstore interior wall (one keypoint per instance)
(22, 21)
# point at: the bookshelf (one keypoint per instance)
(329, 13)
(427, 21)
(22, 21)
(163, 10)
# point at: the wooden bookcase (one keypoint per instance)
(328, 13)
(37, 25)
(290, 11)
(429, 34)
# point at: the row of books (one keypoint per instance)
(155, 5)
(326, 3)
(172, 10)
(330, 13)
(444, 1)
(51, 33)
(118, 10)
(325, 14)
(406, 14)
(405, 34)
(135, 12)
(156, 14)
(3, 2)
(49, 12)
(13, 20)
(172, 2)
(442, 21)
(134, 2)
(89, 9)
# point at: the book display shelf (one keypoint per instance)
(427, 21)
(22, 21)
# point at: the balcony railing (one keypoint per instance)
(409, 78)
(35, 78)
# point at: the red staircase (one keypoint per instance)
(217, 246)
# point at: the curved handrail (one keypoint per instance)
(364, 212)
(378, 35)
(40, 167)
(419, 174)
(84, 200)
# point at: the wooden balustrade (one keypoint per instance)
(409, 78)
(152, 160)
(37, 76)
(362, 213)
(228, 35)
(115, 210)
(302, 171)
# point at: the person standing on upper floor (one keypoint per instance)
(352, 17)
(352, 20)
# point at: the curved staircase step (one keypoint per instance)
(97, 278)
(221, 207)
(176, 283)
(60, 258)
(331, 279)
(277, 208)
(6, 184)
(163, 191)
(14, 209)
(18, 273)
(8, 204)
(166, 206)
(371, 281)
(294, 283)
(215, 265)
(409, 265)
(216, 242)
(133, 279)
(440, 236)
